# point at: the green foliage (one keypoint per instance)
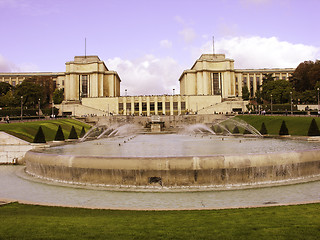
(39, 138)
(83, 132)
(313, 129)
(58, 96)
(280, 90)
(283, 129)
(18, 221)
(263, 129)
(306, 76)
(4, 88)
(235, 130)
(245, 93)
(217, 129)
(31, 93)
(73, 134)
(59, 135)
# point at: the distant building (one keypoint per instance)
(212, 85)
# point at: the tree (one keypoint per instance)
(83, 132)
(39, 138)
(306, 76)
(31, 93)
(4, 88)
(235, 130)
(283, 129)
(280, 90)
(263, 129)
(245, 93)
(59, 135)
(73, 134)
(246, 131)
(47, 85)
(313, 129)
(58, 96)
(267, 77)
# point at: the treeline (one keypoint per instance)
(302, 87)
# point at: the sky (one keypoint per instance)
(150, 42)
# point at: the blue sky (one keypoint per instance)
(149, 43)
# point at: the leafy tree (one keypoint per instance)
(267, 77)
(73, 134)
(245, 93)
(47, 85)
(306, 76)
(58, 96)
(263, 129)
(283, 129)
(279, 89)
(313, 129)
(39, 138)
(5, 88)
(83, 132)
(59, 135)
(217, 130)
(9, 100)
(31, 93)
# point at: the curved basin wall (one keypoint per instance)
(219, 170)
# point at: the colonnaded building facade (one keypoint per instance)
(212, 85)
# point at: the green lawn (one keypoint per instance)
(19, 221)
(297, 125)
(27, 130)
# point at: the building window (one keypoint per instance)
(167, 106)
(120, 107)
(84, 85)
(258, 82)
(151, 106)
(175, 105)
(236, 79)
(62, 82)
(128, 106)
(183, 106)
(144, 106)
(245, 81)
(159, 106)
(251, 86)
(13, 83)
(136, 107)
(216, 84)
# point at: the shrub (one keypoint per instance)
(283, 129)
(235, 130)
(313, 129)
(73, 134)
(263, 129)
(83, 132)
(59, 135)
(218, 129)
(39, 138)
(246, 131)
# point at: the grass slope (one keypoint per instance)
(27, 130)
(297, 125)
(19, 221)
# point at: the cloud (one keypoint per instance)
(147, 75)
(259, 52)
(165, 43)
(188, 34)
(7, 66)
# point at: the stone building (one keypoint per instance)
(212, 85)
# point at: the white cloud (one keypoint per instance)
(147, 75)
(188, 34)
(259, 52)
(165, 43)
(7, 66)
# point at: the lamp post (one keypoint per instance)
(291, 103)
(39, 109)
(125, 92)
(173, 91)
(52, 106)
(271, 104)
(21, 108)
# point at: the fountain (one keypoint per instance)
(127, 159)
